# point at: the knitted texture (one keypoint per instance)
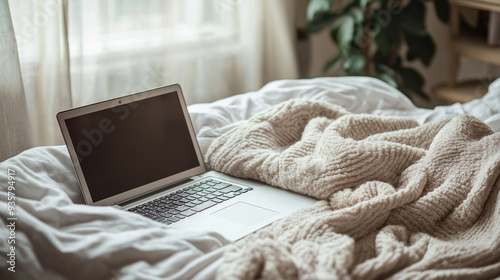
(397, 199)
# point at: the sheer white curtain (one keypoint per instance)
(80, 51)
(14, 121)
(40, 31)
(122, 46)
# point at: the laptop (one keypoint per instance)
(139, 153)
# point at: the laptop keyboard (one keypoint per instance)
(188, 201)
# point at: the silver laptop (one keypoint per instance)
(139, 153)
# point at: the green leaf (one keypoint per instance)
(420, 47)
(335, 30)
(318, 8)
(375, 28)
(414, 18)
(360, 37)
(357, 14)
(413, 81)
(333, 63)
(354, 65)
(386, 74)
(364, 3)
(344, 35)
(442, 10)
(320, 23)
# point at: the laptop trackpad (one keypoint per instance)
(246, 214)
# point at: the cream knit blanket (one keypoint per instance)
(398, 200)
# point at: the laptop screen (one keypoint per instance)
(128, 146)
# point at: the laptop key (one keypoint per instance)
(181, 208)
(188, 213)
(170, 206)
(166, 214)
(173, 211)
(158, 218)
(230, 189)
(203, 206)
(221, 186)
(173, 219)
(217, 200)
(196, 202)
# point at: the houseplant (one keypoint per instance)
(370, 35)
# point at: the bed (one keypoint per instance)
(48, 233)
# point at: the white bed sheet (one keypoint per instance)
(59, 238)
(356, 94)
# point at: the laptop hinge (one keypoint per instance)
(137, 198)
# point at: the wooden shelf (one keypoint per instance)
(470, 45)
(476, 47)
(487, 5)
(462, 92)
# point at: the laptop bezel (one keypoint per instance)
(129, 100)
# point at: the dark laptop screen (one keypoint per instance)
(131, 145)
